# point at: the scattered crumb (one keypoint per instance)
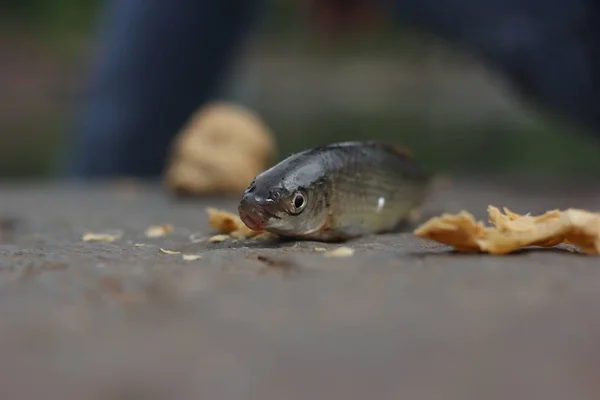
(100, 237)
(320, 249)
(512, 231)
(218, 238)
(228, 223)
(340, 252)
(223, 221)
(191, 257)
(139, 245)
(170, 251)
(155, 231)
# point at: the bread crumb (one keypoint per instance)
(100, 237)
(512, 231)
(230, 224)
(219, 151)
(155, 231)
(340, 252)
(218, 238)
(170, 251)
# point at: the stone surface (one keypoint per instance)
(400, 319)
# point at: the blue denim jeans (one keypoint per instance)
(161, 60)
(158, 62)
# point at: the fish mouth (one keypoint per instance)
(252, 221)
(254, 216)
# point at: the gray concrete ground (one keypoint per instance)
(401, 319)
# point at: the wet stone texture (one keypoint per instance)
(399, 319)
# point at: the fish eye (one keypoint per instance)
(298, 202)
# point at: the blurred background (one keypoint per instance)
(390, 82)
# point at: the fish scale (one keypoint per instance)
(357, 188)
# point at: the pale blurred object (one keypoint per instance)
(220, 150)
(512, 232)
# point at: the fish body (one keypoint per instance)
(336, 192)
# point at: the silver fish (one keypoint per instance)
(336, 192)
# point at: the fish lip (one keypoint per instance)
(252, 222)
(255, 216)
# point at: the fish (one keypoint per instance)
(336, 192)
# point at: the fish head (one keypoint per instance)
(283, 204)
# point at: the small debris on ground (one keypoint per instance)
(169, 251)
(155, 231)
(218, 238)
(230, 224)
(139, 245)
(340, 252)
(101, 237)
(320, 249)
(512, 231)
(191, 257)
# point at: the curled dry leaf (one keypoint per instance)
(191, 257)
(340, 252)
(512, 231)
(155, 231)
(228, 223)
(170, 251)
(100, 237)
